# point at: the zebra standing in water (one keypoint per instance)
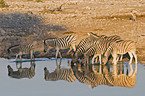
(24, 49)
(99, 47)
(122, 47)
(85, 44)
(60, 43)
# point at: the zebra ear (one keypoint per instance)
(89, 34)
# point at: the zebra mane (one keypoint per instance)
(67, 37)
(92, 34)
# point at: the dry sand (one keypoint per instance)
(77, 17)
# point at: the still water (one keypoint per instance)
(43, 77)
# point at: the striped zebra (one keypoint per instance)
(22, 72)
(98, 48)
(60, 43)
(122, 47)
(24, 49)
(84, 45)
(92, 37)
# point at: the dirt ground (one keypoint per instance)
(56, 18)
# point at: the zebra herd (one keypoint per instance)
(90, 48)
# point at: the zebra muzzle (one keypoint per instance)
(44, 51)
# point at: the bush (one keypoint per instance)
(3, 4)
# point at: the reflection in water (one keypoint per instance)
(122, 74)
(59, 74)
(22, 72)
(95, 75)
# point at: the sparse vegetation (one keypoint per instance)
(2, 4)
(107, 17)
(38, 0)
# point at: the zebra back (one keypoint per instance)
(61, 43)
(120, 47)
(26, 48)
(83, 42)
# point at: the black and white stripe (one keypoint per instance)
(60, 43)
(99, 47)
(122, 47)
(24, 49)
(85, 45)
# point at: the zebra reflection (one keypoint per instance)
(22, 72)
(122, 75)
(59, 74)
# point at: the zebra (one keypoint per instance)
(92, 37)
(24, 49)
(122, 47)
(99, 47)
(85, 44)
(60, 43)
(22, 72)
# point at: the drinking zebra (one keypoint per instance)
(84, 45)
(99, 47)
(24, 49)
(60, 43)
(122, 47)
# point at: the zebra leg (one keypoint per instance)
(135, 56)
(69, 51)
(87, 60)
(100, 59)
(17, 57)
(96, 61)
(73, 46)
(20, 57)
(131, 57)
(57, 51)
(31, 55)
(60, 54)
(121, 57)
(114, 58)
(93, 58)
(118, 57)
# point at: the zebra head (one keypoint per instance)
(45, 45)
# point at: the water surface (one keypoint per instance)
(37, 84)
